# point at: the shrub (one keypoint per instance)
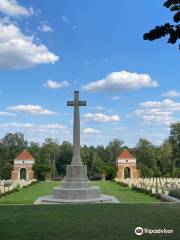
(145, 171)
(167, 175)
(42, 171)
(176, 173)
(175, 193)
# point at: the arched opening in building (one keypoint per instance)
(23, 173)
(127, 172)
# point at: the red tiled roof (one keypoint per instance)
(126, 154)
(25, 155)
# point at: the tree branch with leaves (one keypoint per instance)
(170, 30)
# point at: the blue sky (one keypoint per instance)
(48, 49)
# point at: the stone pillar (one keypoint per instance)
(76, 160)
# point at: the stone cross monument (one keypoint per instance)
(76, 160)
(76, 187)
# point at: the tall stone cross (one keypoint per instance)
(76, 160)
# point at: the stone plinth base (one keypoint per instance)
(76, 189)
(51, 200)
(76, 193)
(76, 185)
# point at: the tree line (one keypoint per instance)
(52, 157)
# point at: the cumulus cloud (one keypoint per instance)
(121, 81)
(31, 109)
(100, 117)
(171, 93)
(155, 116)
(19, 51)
(165, 104)
(158, 112)
(12, 8)
(45, 27)
(91, 131)
(54, 84)
(37, 132)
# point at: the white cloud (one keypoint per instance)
(155, 116)
(115, 98)
(159, 113)
(100, 117)
(101, 109)
(6, 114)
(31, 109)
(45, 27)
(37, 127)
(37, 132)
(65, 19)
(171, 93)
(20, 51)
(54, 84)
(12, 8)
(121, 81)
(91, 131)
(165, 104)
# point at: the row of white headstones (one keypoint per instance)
(155, 185)
(8, 185)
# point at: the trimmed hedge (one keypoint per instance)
(175, 193)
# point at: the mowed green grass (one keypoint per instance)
(30, 194)
(124, 194)
(88, 221)
(85, 221)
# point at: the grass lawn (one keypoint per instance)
(124, 194)
(88, 222)
(85, 221)
(30, 194)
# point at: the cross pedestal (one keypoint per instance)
(76, 188)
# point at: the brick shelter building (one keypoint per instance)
(22, 169)
(126, 166)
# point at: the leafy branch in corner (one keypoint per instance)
(170, 30)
